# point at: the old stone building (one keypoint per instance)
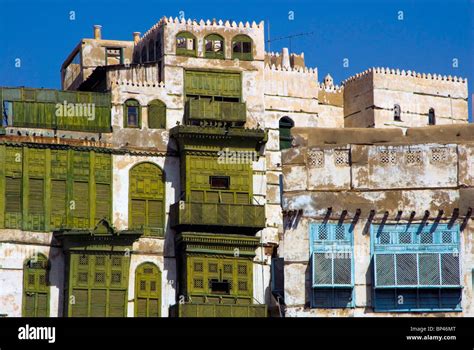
(151, 184)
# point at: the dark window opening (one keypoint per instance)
(219, 287)
(114, 56)
(132, 116)
(397, 113)
(220, 182)
(151, 51)
(285, 126)
(431, 117)
(158, 50)
(214, 46)
(185, 44)
(144, 55)
(242, 47)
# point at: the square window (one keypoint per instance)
(142, 285)
(340, 233)
(219, 287)
(384, 238)
(322, 232)
(116, 277)
(405, 238)
(426, 237)
(447, 237)
(220, 182)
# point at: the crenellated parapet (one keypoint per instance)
(163, 36)
(301, 82)
(402, 73)
(284, 59)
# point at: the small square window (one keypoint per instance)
(219, 287)
(220, 182)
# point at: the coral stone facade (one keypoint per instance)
(187, 172)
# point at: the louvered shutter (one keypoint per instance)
(13, 202)
(81, 202)
(157, 115)
(102, 208)
(155, 214)
(98, 303)
(138, 212)
(81, 303)
(117, 303)
(58, 203)
(42, 305)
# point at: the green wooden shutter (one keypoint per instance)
(146, 198)
(103, 205)
(36, 204)
(98, 302)
(155, 215)
(58, 204)
(117, 303)
(13, 202)
(35, 287)
(81, 303)
(81, 205)
(157, 115)
(147, 291)
(138, 212)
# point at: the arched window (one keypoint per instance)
(285, 126)
(35, 287)
(147, 291)
(147, 198)
(242, 47)
(397, 113)
(431, 117)
(151, 51)
(156, 115)
(214, 46)
(185, 44)
(132, 114)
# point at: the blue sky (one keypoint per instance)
(367, 33)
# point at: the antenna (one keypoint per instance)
(286, 37)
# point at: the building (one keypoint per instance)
(151, 185)
(378, 222)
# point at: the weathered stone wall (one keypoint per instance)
(351, 177)
(369, 99)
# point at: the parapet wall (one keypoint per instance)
(370, 97)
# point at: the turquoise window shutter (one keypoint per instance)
(332, 265)
(416, 267)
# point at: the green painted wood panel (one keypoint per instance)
(98, 284)
(156, 115)
(35, 287)
(201, 271)
(213, 84)
(147, 291)
(146, 198)
(47, 189)
(201, 168)
(37, 108)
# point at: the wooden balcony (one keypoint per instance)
(218, 310)
(189, 215)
